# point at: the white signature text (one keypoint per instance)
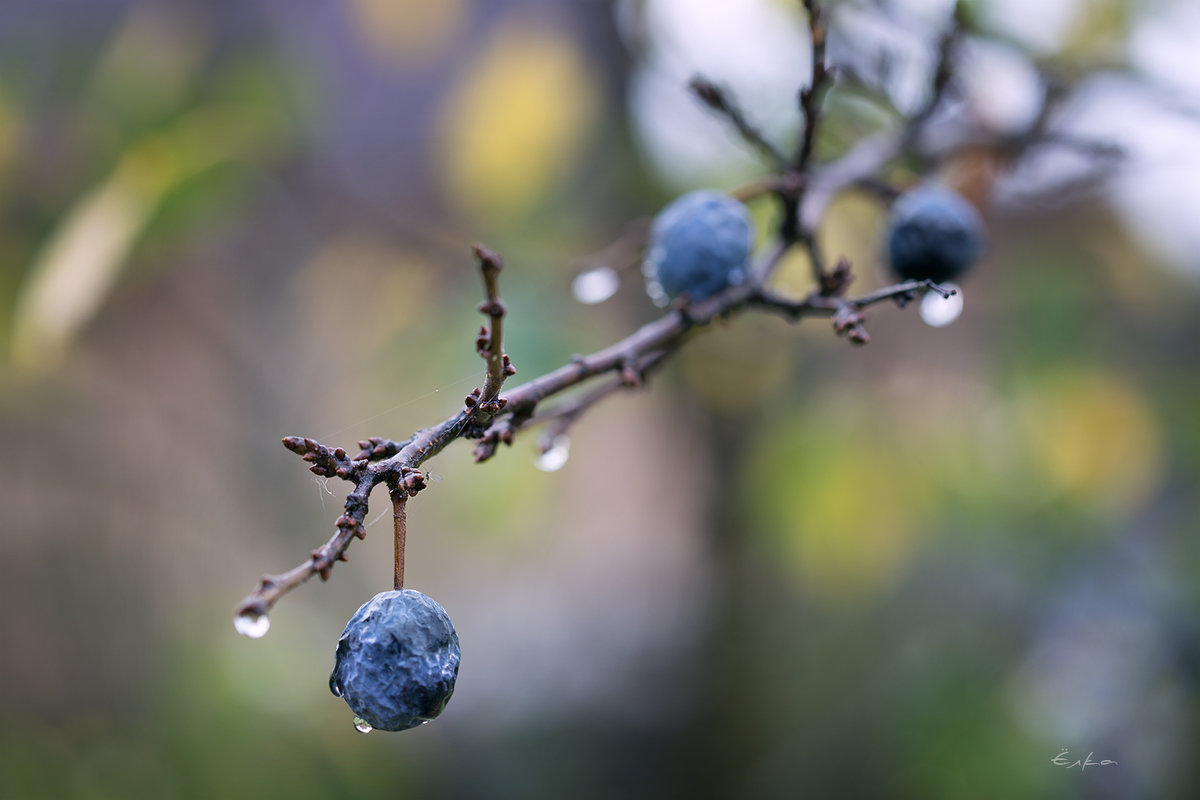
(1062, 760)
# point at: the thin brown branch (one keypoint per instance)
(348, 526)
(377, 448)
(943, 74)
(720, 101)
(811, 95)
(818, 304)
(655, 335)
(848, 322)
(490, 343)
(660, 334)
(559, 419)
(326, 462)
(902, 293)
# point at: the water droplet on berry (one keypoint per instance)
(658, 295)
(335, 687)
(654, 288)
(595, 285)
(556, 457)
(362, 726)
(938, 311)
(254, 626)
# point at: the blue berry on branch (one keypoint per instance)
(934, 235)
(397, 661)
(698, 245)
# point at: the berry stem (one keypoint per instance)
(400, 528)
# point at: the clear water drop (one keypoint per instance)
(253, 626)
(595, 285)
(938, 311)
(335, 687)
(658, 295)
(362, 726)
(555, 458)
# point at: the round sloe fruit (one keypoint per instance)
(934, 235)
(698, 245)
(397, 660)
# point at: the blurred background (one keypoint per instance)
(791, 568)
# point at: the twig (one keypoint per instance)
(326, 462)
(720, 101)
(490, 344)
(560, 418)
(348, 526)
(847, 321)
(817, 304)
(811, 95)
(377, 448)
(943, 73)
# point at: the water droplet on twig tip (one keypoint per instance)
(555, 458)
(253, 626)
(938, 311)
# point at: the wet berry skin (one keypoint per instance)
(397, 660)
(699, 245)
(934, 235)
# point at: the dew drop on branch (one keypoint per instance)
(555, 458)
(253, 626)
(938, 311)
(362, 726)
(595, 285)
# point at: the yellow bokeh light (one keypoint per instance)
(517, 122)
(848, 520)
(1095, 438)
(856, 528)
